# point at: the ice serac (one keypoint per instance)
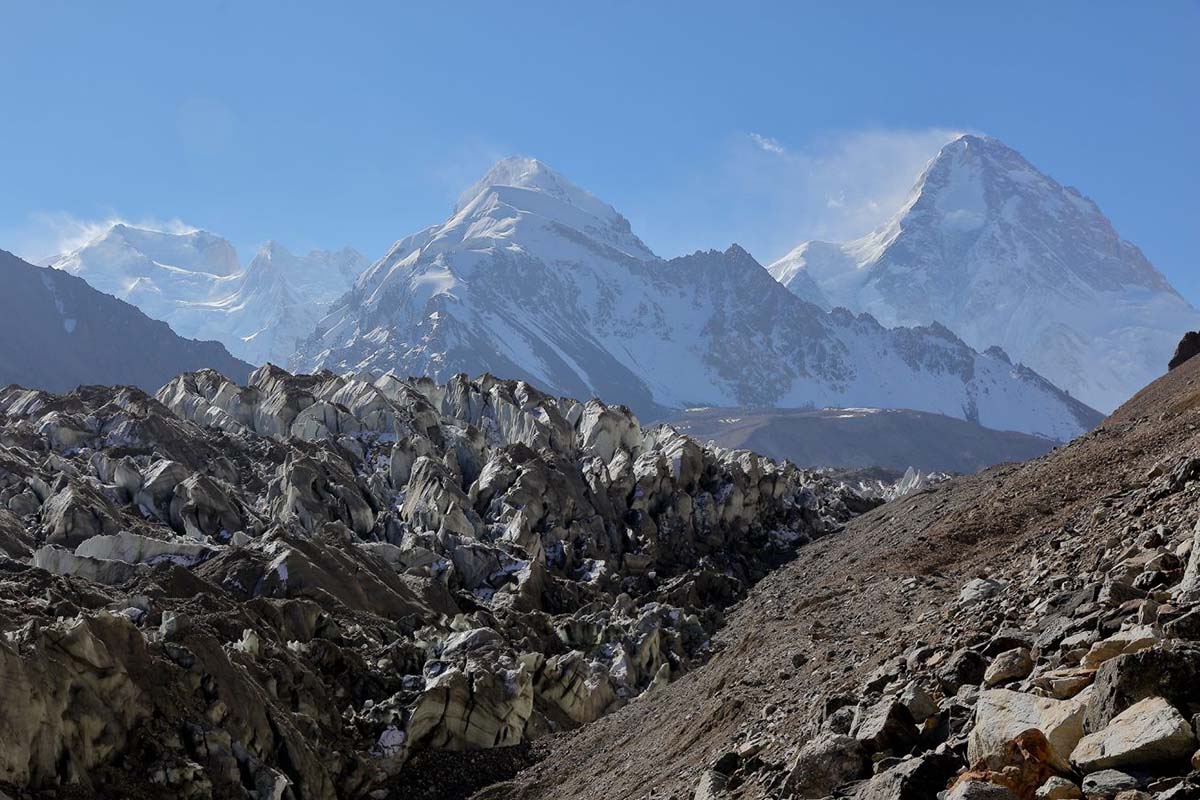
(1004, 255)
(57, 332)
(534, 278)
(194, 282)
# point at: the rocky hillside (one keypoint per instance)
(532, 277)
(1031, 632)
(57, 332)
(316, 587)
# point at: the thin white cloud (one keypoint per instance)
(767, 144)
(769, 194)
(838, 188)
(47, 234)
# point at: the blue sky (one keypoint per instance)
(322, 124)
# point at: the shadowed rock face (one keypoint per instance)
(1188, 346)
(293, 586)
(862, 437)
(57, 332)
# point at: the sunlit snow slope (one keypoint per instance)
(1003, 255)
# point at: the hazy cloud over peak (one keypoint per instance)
(47, 234)
(769, 194)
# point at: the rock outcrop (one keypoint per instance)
(1188, 346)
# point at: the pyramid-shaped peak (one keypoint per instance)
(526, 172)
(978, 149)
(531, 174)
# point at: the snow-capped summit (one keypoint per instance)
(526, 187)
(522, 172)
(195, 250)
(532, 277)
(1004, 255)
(194, 282)
(123, 255)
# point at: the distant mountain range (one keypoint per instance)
(1004, 255)
(57, 332)
(533, 277)
(194, 282)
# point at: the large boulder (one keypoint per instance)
(916, 778)
(1149, 733)
(825, 763)
(1001, 715)
(1058, 788)
(964, 667)
(1022, 765)
(979, 790)
(1009, 666)
(1172, 673)
(886, 726)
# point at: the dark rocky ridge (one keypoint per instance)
(57, 332)
(861, 438)
(290, 589)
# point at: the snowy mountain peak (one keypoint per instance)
(520, 188)
(272, 249)
(193, 280)
(1005, 255)
(194, 250)
(320, 276)
(523, 172)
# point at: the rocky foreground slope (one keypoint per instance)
(319, 587)
(1032, 632)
